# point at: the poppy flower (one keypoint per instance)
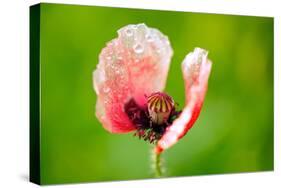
(129, 81)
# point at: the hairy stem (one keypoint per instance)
(157, 164)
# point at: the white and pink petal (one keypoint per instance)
(132, 66)
(196, 69)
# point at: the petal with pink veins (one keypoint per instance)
(133, 65)
(196, 69)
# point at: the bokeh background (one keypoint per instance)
(234, 132)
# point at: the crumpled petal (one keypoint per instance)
(196, 69)
(131, 66)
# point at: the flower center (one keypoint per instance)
(160, 106)
(152, 120)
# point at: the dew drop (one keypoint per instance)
(106, 89)
(115, 43)
(138, 48)
(129, 32)
(159, 51)
(149, 38)
(108, 57)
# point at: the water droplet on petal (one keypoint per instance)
(129, 32)
(108, 57)
(138, 48)
(106, 89)
(149, 38)
(159, 51)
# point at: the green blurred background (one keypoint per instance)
(234, 132)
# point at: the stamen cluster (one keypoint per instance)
(152, 120)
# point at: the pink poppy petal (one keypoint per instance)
(131, 66)
(196, 69)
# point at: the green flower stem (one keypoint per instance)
(158, 170)
(157, 164)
